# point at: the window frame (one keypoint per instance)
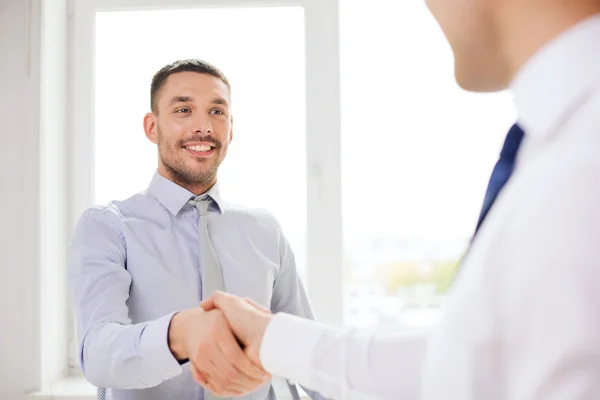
(324, 252)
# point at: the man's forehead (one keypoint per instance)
(194, 85)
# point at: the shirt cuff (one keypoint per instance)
(154, 344)
(288, 346)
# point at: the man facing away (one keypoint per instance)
(140, 267)
(522, 321)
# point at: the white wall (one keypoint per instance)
(53, 197)
(19, 193)
(33, 337)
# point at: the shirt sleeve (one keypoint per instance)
(289, 293)
(319, 357)
(113, 352)
(344, 363)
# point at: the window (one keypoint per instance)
(417, 152)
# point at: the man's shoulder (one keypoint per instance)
(115, 211)
(251, 215)
(556, 200)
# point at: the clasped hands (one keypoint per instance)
(221, 339)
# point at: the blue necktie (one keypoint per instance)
(502, 171)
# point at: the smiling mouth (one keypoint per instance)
(202, 150)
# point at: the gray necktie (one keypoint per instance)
(212, 280)
(212, 277)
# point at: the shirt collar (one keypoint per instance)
(557, 77)
(175, 197)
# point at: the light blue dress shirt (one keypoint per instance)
(134, 263)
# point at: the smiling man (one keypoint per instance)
(140, 267)
(190, 148)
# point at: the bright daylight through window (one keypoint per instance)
(416, 155)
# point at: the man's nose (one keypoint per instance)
(202, 125)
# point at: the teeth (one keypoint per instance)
(199, 147)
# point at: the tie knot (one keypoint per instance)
(512, 143)
(201, 204)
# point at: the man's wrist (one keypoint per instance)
(265, 320)
(262, 323)
(177, 336)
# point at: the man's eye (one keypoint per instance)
(183, 110)
(217, 112)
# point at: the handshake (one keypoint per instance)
(222, 339)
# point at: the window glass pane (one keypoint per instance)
(260, 50)
(416, 156)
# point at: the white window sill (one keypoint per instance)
(76, 388)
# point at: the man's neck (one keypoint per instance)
(197, 188)
(530, 25)
(200, 188)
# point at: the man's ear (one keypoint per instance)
(151, 127)
(231, 131)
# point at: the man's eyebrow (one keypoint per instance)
(180, 99)
(220, 100)
(185, 99)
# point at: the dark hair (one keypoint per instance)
(193, 65)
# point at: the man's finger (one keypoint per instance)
(212, 301)
(197, 375)
(210, 368)
(216, 390)
(229, 379)
(256, 305)
(204, 362)
(236, 357)
(208, 304)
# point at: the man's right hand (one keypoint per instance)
(216, 360)
(247, 319)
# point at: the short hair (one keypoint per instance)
(192, 65)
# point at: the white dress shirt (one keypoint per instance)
(522, 320)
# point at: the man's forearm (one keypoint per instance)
(129, 356)
(344, 363)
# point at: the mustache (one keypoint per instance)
(197, 138)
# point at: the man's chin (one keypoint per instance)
(191, 176)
